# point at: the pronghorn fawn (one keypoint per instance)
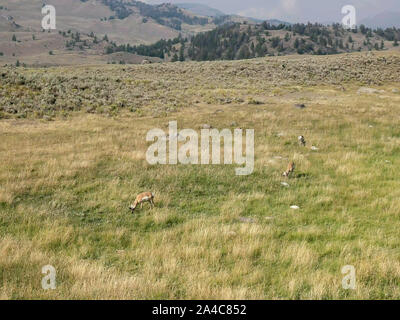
(290, 169)
(141, 198)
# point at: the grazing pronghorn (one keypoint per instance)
(302, 141)
(141, 198)
(290, 169)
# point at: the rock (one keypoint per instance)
(300, 106)
(247, 220)
(365, 90)
(232, 234)
(91, 109)
(395, 90)
(295, 207)
(253, 101)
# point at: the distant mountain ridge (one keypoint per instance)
(128, 31)
(204, 10)
(383, 20)
(201, 9)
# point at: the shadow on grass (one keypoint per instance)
(303, 175)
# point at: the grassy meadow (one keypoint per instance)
(66, 185)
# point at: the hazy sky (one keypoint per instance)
(296, 10)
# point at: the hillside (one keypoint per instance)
(94, 31)
(131, 22)
(244, 41)
(121, 22)
(73, 157)
(81, 28)
(112, 90)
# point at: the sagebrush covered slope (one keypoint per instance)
(159, 88)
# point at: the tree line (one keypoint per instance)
(242, 41)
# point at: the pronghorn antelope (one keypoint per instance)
(302, 141)
(290, 169)
(141, 198)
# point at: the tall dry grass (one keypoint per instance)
(65, 187)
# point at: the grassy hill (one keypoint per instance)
(66, 184)
(123, 21)
(131, 22)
